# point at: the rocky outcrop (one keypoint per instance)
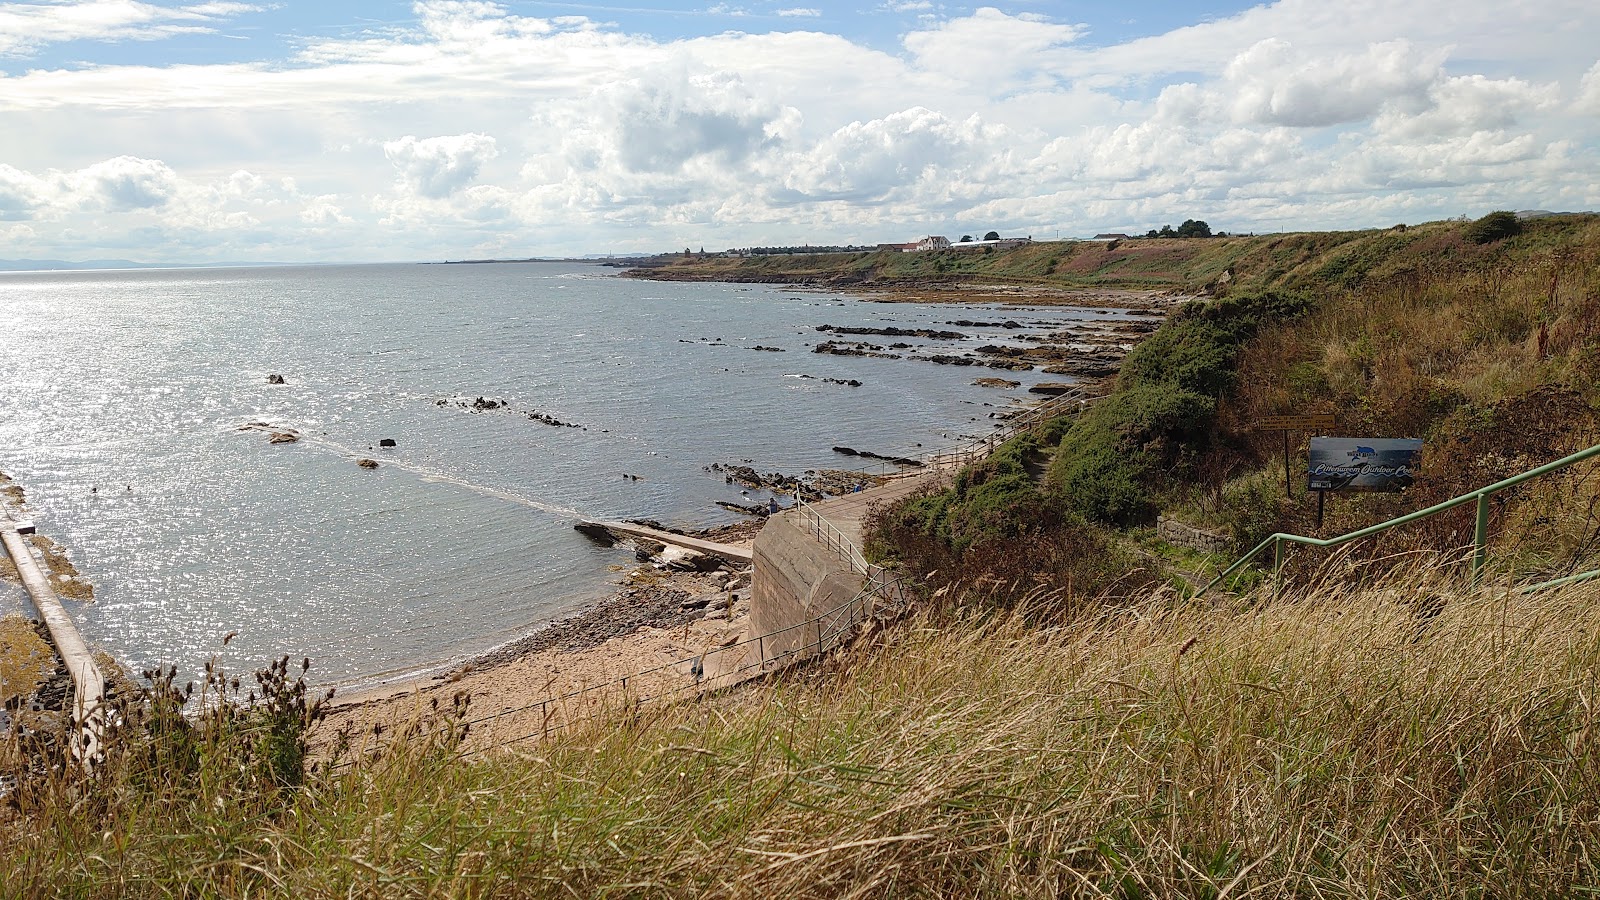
(853, 348)
(275, 379)
(996, 383)
(490, 404)
(596, 532)
(892, 331)
(1052, 388)
(813, 485)
(1088, 366)
(367, 463)
(968, 323)
(868, 454)
(1014, 365)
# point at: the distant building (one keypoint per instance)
(1111, 237)
(1000, 244)
(934, 242)
(899, 248)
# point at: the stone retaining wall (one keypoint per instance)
(1181, 534)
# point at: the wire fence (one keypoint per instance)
(883, 595)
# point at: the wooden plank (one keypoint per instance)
(1295, 422)
(726, 551)
(89, 684)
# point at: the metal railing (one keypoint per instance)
(830, 535)
(1480, 534)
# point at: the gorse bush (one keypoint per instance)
(994, 533)
(1493, 227)
(1114, 461)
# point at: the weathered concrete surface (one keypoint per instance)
(726, 551)
(88, 683)
(798, 578)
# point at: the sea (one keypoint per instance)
(128, 398)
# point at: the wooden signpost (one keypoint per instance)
(1286, 424)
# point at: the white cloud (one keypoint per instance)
(666, 121)
(124, 183)
(912, 152)
(437, 167)
(800, 12)
(1273, 83)
(1290, 114)
(24, 27)
(20, 194)
(990, 45)
(1589, 92)
(1469, 104)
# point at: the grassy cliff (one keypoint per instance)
(1054, 722)
(1311, 261)
(1481, 339)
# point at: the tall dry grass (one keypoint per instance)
(1406, 739)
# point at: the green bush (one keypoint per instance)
(986, 502)
(1114, 460)
(1496, 225)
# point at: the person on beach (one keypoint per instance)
(772, 506)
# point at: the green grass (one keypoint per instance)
(1308, 261)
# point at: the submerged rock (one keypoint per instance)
(868, 454)
(596, 532)
(283, 437)
(275, 379)
(367, 463)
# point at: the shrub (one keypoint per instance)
(1494, 226)
(995, 528)
(1115, 459)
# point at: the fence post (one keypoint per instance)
(1480, 534)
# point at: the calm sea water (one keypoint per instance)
(124, 393)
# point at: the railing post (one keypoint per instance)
(1480, 534)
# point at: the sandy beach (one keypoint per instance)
(657, 622)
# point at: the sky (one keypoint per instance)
(199, 132)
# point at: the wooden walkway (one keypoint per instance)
(726, 551)
(88, 682)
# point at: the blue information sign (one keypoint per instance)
(1363, 464)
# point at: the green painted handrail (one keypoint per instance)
(1479, 532)
(1558, 582)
